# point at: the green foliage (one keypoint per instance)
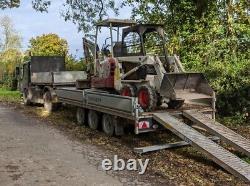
(10, 54)
(211, 37)
(84, 13)
(75, 65)
(9, 96)
(9, 4)
(48, 45)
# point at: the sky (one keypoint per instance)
(30, 23)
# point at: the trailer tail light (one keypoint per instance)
(143, 125)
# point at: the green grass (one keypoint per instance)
(9, 96)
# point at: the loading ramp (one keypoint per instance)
(227, 135)
(218, 154)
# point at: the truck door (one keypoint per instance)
(24, 77)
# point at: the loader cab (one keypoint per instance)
(143, 39)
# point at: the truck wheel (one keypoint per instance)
(127, 90)
(26, 99)
(108, 124)
(147, 98)
(175, 104)
(80, 115)
(48, 105)
(93, 119)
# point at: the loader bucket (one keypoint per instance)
(190, 87)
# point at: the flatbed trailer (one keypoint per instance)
(115, 111)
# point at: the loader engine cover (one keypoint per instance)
(105, 77)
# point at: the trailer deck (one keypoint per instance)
(128, 108)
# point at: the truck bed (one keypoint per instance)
(57, 78)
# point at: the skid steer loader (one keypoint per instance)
(136, 64)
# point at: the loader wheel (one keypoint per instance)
(108, 124)
(93, 119)
(48, 104)
(80, 115)
(26, 99)
(175, 104)
(127, 90)
(147, 98)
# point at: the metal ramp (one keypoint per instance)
(218, 154)
(227, 135)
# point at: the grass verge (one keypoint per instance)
(9, 96)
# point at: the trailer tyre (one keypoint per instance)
(93, 119)
(108, 124)
(80, 115)
(147, 98)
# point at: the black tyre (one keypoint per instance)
(175, 104)
(48, 104)
(108, 124)
(80, 115)
(147, 98)
(93, 119)
(26, 97)
(127, 90)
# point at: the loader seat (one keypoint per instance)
(119, 49)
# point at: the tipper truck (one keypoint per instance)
(41, 75)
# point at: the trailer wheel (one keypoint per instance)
(48, 105)
(147, 98)
(93, 119)
(26, 99)
(80, 115)
(127, 90)
(175, 104)
(108, 124)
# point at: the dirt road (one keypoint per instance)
(32, 153)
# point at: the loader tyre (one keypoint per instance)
(127, 90)
(108, 124)
(80, 115)
(93, 119)
(26, 99)
(147, 98)
(175, 104)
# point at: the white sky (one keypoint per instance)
(30, 23)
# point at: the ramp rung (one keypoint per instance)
(227, 135)
(218, 154)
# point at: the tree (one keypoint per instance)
(11, 38)
(211, 37)
(10, 53)
(48, 45)
(84, 13)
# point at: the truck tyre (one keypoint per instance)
(80, 115)
(108, 124)
(93, 119)
(26, 99)
(175, 104)
(48, 104)
(147, 98)
(127, 90)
